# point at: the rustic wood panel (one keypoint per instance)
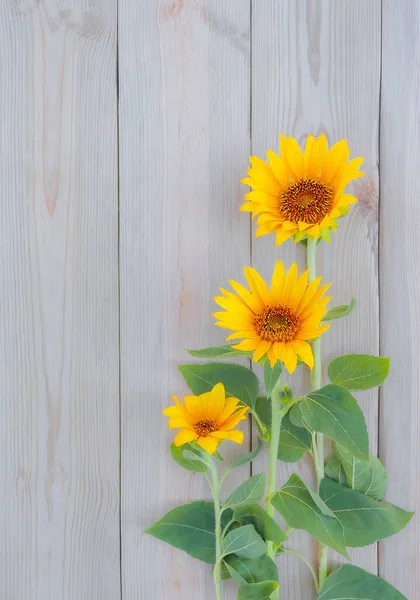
(184, 145)
(399, 284)
(59, 302)
(316, 68)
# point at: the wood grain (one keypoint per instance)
(184, 141)
(59, 302)
(399, 285)
(316, 68)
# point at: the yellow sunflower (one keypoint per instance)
(301, 194)
(277, 322)
(208, 418)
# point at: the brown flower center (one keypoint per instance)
(277, 324)
(205, 427)
(307, 200)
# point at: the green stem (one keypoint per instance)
(307, 563)
(217, 573)
(276, 418)
(317, 438)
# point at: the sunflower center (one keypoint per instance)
(205, 427)
(277, 324)
(307, 200)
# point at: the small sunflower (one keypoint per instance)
(277, 322)
(301, 194)
(208, 419)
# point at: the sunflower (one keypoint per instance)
(277, 322)
(208, 418)
(301, 194)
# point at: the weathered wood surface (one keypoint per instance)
(111, 251)
(59, 359)
(399, 285)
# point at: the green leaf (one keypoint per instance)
(248, 492)
(358, 371)
(295, 416)
(338, 312)
(177, 453)
(243, 541)
(265, 525)
(256, 570)
(190, 527)
(365, 520)
(334, 470)
(333, 411)
(218, 352)
(257, 591)
(247, 457)
(368, 477)
(294, 441)
(302, 508)
(239, 381)
(271, 375)
(353, 583)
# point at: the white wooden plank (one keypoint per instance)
(184, 139)
(399, 284)
(316, 68)
(59, 523)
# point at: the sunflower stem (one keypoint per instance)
(317, 438)
(276, 418)
(217, 572)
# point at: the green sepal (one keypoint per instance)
(239, 382)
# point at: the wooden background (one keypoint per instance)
(125, 128)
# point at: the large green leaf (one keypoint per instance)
(218, 352)
(271, 375)
(364, 519)
(353, 583)
(239, 381)
(252, 490)
(267, 527)
(302, 508)
(294, 441)
(246, 570)
(358, 371)
(257, 591)
(369, 477)
(243, 541)
(338, 312)
(177, 453)
(190, 527)
(333, 411)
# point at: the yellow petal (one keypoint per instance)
(253, 302)
(304, 351)
(184, 436)
(319, 153)
(194, 406)
(249, 335)
(289, 284)
(265, 182)
(298, 290)
(307, 155)
(279, 167)
(261, 349)
(310, 333)
(257, 285)
(262, 198)
(334, 160)
(229, 408)
(277, 282)
(233, 436)
(282, 236)
(247, 345)
(314, 231)
(208, 443)
(295, 158)
(234, 419)
(217, 399)
(289, 358)
(177, 422)
(265, 229)
(309, 293)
